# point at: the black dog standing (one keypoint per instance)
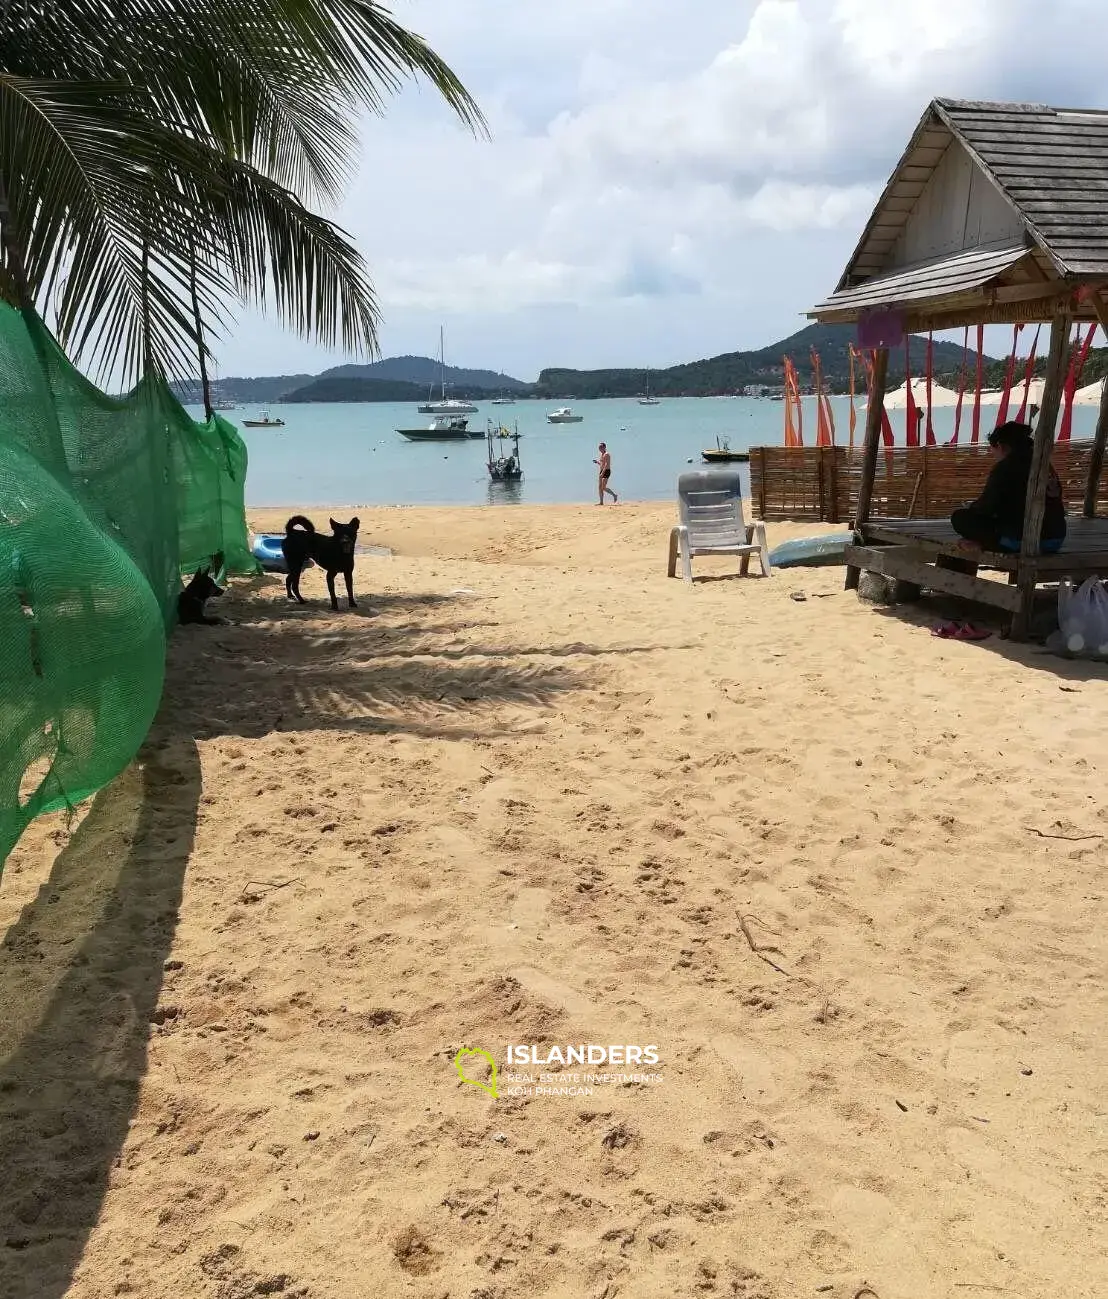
(334, 554)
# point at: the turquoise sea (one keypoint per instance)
(331, 454)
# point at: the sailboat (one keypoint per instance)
(648, 400)
(445, 405)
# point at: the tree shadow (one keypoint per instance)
(273, 669)
(82, 967)
(81, 970)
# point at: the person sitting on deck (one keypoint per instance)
(995, 520)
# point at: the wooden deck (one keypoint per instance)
(928, 553)
(1085, 551)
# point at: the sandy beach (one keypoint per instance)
(848, 879)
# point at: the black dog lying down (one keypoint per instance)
(334, 554)
(201, 588)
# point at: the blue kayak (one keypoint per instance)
(267, 551)
(811, 552)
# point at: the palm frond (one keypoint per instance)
(84, 172)
(143, 140)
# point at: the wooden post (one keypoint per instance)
(869, 451)
(1096, 463)
(1040, 471)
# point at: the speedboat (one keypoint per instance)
(443, 429)
(264, 422)
(563, 415)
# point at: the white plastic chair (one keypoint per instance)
(712, 523)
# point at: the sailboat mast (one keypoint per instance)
(442, 361)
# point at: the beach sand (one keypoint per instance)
(847, 878)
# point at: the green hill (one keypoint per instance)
(733, 371)
(405, 378)
(337, 388)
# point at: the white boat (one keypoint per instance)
(563, 415)
(647, 399)
(503, 401)
(445, 405)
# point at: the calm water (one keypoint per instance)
(332, 454)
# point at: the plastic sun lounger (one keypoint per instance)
(712, 523)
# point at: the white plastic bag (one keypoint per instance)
(1083, 617)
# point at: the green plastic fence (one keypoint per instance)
(103, 504)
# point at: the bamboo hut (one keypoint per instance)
(996, 213)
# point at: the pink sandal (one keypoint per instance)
(968, 631)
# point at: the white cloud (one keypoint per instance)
(664, 183)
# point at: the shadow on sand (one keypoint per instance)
(81, 970)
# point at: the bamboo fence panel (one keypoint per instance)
(918, 482)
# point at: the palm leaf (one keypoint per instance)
(141, 138)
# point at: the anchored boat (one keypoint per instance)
(504, 463)
(722, 454)
(443, 429)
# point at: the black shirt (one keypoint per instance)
(1005, 496)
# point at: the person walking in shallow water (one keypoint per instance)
(605, 464)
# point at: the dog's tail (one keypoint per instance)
(299, 521)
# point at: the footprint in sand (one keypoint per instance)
(979, 1156)
(513, 936)
(553, 992)
(886, 1249)
(760, 1072)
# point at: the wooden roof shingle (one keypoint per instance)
(1049, 166)
(1052, 166)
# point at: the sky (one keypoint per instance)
(663, 181)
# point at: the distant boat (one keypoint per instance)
(722, 454)
(264, 422)
(224, 403)
(503, 401)
(504, 465)
(444, 429)
(647, 399)
(563, 415)
(445, 405)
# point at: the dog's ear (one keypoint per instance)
(334, 526)
(355, 523)
(198, 575)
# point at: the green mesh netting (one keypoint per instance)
(103, 504)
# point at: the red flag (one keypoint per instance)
(930, 364)
(886, 424)
(794, 411)
(975, 436)
(963, 375)
(1028, 375)
(1077, 364)
(829, 419)
(825, 420)
(912, 426)
(790, 425)
(853, 412)
(1006, 396)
